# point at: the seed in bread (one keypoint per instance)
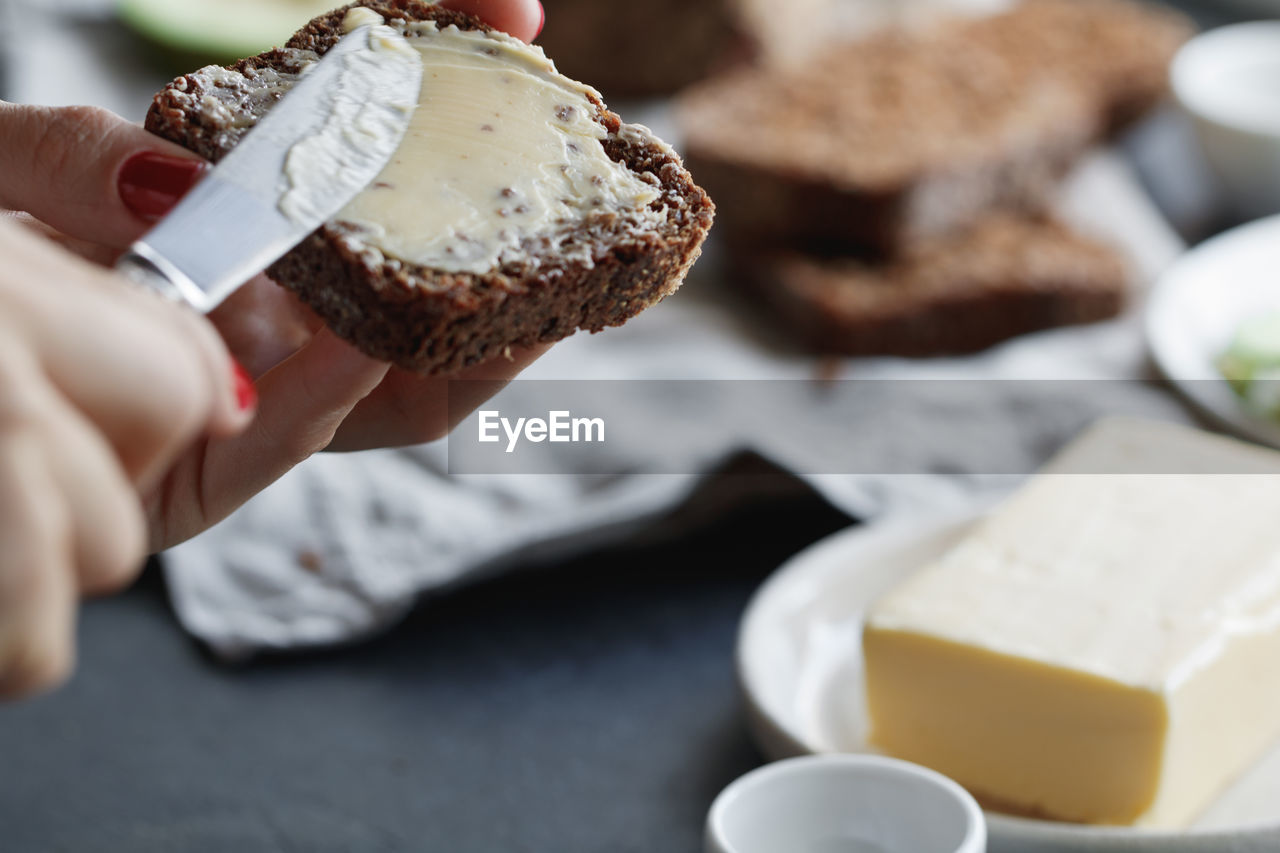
(517, 210)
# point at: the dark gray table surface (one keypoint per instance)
(589, 706)
(584, 707)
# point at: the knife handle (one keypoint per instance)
(144, 267)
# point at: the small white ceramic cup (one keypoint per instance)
(845, 804)
(1228, 80)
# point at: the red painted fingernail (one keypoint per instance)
(151, 184)
(246, 393)
(542, 20)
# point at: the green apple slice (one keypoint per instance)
(221, 29)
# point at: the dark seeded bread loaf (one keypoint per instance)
(427, 320)
(878, 144)
(1003, 277)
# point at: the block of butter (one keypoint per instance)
(1105, 646)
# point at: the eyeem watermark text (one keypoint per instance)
(558, 427)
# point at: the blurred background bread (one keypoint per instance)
(658, 47)
(929, 159)
(1004, 275)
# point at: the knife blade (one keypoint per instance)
(325, 141)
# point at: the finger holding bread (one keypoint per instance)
(70, 522)
(150, 376)
(37, 595)
(408, 409)
(89, 173)
(303, 402)
(520, 18)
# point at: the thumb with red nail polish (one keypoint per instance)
(89, 174)
(151, 184)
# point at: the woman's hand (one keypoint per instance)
(124, 426)
(102, 387)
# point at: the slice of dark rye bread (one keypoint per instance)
(1004, 276)
(879, 143)
(430, 321)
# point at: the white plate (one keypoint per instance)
(1196, 308)
(800, 665)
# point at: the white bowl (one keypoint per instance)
(1228, 80)
(1196, 309)
(845, 804)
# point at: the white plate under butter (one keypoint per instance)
(800, 665)
(1198, 305)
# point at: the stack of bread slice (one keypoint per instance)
(893, 195)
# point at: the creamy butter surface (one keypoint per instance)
(502, 150)
(364, 125)
(361, 16)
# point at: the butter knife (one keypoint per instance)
(326, 140)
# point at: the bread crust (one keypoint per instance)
(429, 321)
